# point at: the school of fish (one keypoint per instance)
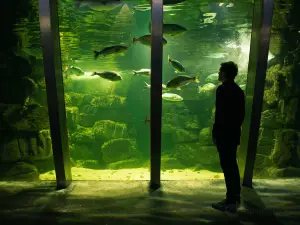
(175, 83)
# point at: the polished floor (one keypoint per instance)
(129, 203)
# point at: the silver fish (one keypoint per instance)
(212, 77)
(100, 5)
(147, 40)
(230, 5)
(176, 64)
(180, 81)
(149, 86)
(72, 70)
(171, 29)
(111, 76)
(142, 72)
(111, 50)
(217, 55)
(172, 97)
(172, 2)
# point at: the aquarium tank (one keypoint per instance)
(106, 56)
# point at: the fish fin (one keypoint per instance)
(147, 85)
(93, 74)
(196, 79)
(96, 54)
(134, 72)
(169, 58)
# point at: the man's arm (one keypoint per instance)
(218, 111)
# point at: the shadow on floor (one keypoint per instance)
(98, 203)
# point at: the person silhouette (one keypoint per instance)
(226, 133)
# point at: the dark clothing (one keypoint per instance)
(227, 155)
(229, 116)
(230, 113)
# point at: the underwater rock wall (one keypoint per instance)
(99, 128)
(104, 134)
(279, 140)
(25, 140)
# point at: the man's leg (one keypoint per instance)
(230, 169)
(227, 155)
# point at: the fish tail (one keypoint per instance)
(134, 72)
(96, 54)
(147, 85)
(196, 79)
(93, 74)
(169, 58)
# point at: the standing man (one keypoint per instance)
(229, 116)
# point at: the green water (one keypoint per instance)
(107, 122)
(105, 119)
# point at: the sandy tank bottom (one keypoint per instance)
(134, 174)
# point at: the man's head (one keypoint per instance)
(228, 71)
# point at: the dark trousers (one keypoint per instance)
(227, 155)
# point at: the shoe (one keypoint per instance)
(224, 205)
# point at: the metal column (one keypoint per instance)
(55, 90)
(156, 92)
(258, 60)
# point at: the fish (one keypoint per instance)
(171, 29)
(99, 5)
(172, 2)
(111, 76)
(111, 50)
(172, 97)
(217, 55)
(220, 4)
(72, 70)
(212, 77)
(176, 64)
(206, 88)
(149, 86)
(147, 40)
(142, 72)
(202, 26)
(180, 81)
(230, 5)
